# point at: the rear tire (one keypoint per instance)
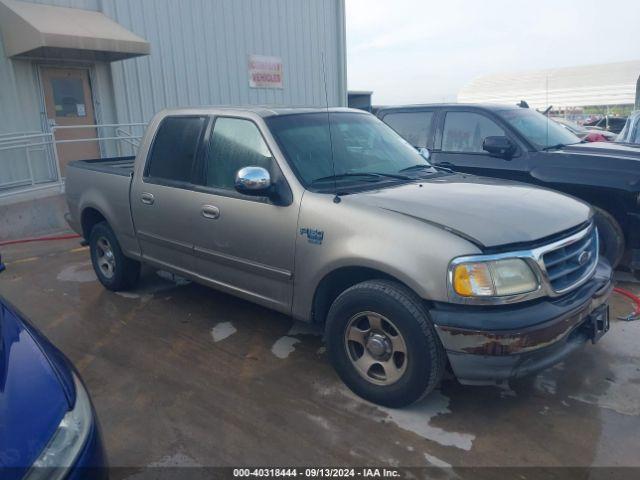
(611, 236)
(383, 345)
(114, 270)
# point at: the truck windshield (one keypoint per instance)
(365, 150)
(541, 131)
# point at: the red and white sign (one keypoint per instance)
(265, 72)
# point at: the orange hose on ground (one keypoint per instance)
(628, 294)
(39, 239)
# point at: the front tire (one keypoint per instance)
(383, 345)
(114, 270)
(611, 236)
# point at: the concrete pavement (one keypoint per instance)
(184, 375)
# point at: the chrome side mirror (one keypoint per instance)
(253, 181)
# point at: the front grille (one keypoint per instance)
(570, 264)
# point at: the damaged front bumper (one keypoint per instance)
(490, 344)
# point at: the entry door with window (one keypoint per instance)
(463, 134)
(68, 102)
(241, 243)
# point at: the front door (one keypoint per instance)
(461, 147)
(68, 102)
(243, 244)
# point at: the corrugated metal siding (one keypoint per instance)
(19, 112)
(199, 56)
(200, 48)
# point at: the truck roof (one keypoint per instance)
(261, 110)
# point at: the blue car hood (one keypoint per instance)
(35, 392)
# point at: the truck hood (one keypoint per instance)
(609, 149)
(489, 212)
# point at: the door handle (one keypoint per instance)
(147, 198)
(209, 211)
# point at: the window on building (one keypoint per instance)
(68, 97)
(465, 132)
(174, 149)
(414, 127)
(234, 144)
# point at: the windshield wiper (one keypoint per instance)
(557, 146)
(424, 166)
(373, 176)
(419, 166)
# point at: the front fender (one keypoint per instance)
(413, 252)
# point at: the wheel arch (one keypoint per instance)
(89, 218)
(340, 279)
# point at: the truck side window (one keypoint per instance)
(464, 132)
(174, 149)
(235, 143)
(414, 127)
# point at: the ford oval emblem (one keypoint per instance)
(584, 257)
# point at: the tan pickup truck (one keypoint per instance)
(330, 217)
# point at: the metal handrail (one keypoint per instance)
(22, 138)
(105, 125)
(29, 141)
(132, 140)
(17, 134)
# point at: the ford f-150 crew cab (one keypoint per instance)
(329, 216)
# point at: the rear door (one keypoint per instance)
(459, 142)
(163, 202)
(243, 244)
(415, 126)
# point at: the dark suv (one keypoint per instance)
(522, 144)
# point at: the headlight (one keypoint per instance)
(496, 278)
(67, 442)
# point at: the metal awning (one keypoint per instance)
(31, 30)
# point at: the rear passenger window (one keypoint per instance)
(234, 144)
(174, 149)
(414, 127)
(465, 132)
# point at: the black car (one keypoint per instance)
(610, 124)
(519, 143)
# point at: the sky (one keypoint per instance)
(412, 51)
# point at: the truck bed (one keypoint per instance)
(102, 185)
(113, 165)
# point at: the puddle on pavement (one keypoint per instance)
(78, 272)
(621, 393)
(417, 419)
(284, 346)
(151, 284)
(436, 462)
(222, 330)
(414, 418)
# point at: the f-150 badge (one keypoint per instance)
(313, 236)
